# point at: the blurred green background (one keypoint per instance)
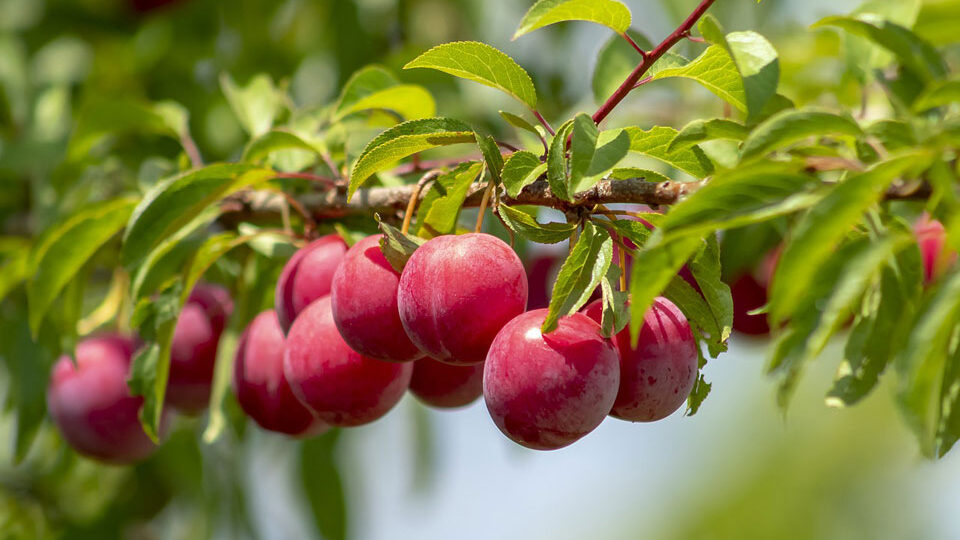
(738, 469)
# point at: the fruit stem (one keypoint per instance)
(484, 203)
(415, 198)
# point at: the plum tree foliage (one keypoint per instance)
(801, 213)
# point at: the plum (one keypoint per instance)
(457, 292)
(444, 386)
(341, 386)
(91, 403)
(364, 301)
(259, 383)
(932, 239)
(547, 391)
(307, 276)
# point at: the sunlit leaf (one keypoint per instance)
(790, 126)
(610, 13)
(580, 274)
(526, 226)
(655, 142)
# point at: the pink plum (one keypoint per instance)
(445, 386)
(307, 276)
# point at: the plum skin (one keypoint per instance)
(445, 386)
(259, 383)
(657, 376)
(547, 391)
(936, 254)
(341, 386)
(307, 276)
(92, 405)
(364, 302)
(457, 292)
(193, 351)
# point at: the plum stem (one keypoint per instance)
(483, 204)
(415, 198)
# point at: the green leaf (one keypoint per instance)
(635, 231)
(593, 153)
(176, 201)
(15, 265)
(655, 142)
(615, 315)
(278, 139)
(818, 233)
(756, 61)
(520, 170)
(480, 63)
(558, 175)
(405, 140)
(323, 484)
(617, 58)
(519, 122)
(697, 312)
(580, 274)
(408, 101)
(790, 126)
(717, 72)
(938, 94)
(66, 248)
(440, 207)
(654, 267)
(397, 246)
(924, 362)
(610, 13)
(526, 226)
(256, 105)
(363, 83)
(491, 155)
(912, 51)
(699, 131)
(101, 117)
(706, 270)
(701, 389)
(631, 173)
(741, 196)
(223, 371)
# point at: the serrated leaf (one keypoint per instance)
(755, 59)
(707, 272)
(520, 170)
(631, 173)
(408, 101)
(558, 175)
(405, 140)
(697, 312)
(655, 142)
(176, 201)
(480, 63)
(595, 154)
(788, 127)
(580, 274)
(526, 226)
(615, 315)
(716, 71)
(440, 207)
(654, 267)
(275, 140)
(66, 248)
(396, 246)
(635, 231)
(699, 131)
(700, 391)
(938, 94)
(491, 155)
(610, 13)
(256, 105)
(818, 233)
(742, 196)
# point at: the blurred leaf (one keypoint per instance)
(610, 13)
(526, 226)
(580, 274)
(409, 101)
(102, 117)
(617, 58)
(816, 236)
(655, 142)
(706, 270)
(66, 248)
(397, 246)
(520, 170)
(893, 134)
(363, 83)
(717, 72)
(938, 94)
(440, 207)
(176, 201)
(256, 105)
(937, 21)
(791, 126)
(519, 122)
(558, 175)
(697, 312)
(699, 131)
(278, 139)
(654, 267)
(223, 370)
(405, 140)
(15, 267)
(323, 485)
(480, 63)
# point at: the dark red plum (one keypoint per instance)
(444, 386)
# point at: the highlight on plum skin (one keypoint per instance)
(445, 386)
(341, 386)
(657, 376)
(307, 276)
(547, 391)
(91, 403)
(259, 383)
(364, 302)
(457, 292)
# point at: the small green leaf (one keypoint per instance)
(170, 256)
(176, 201)
(790, 126)
(697, 312)
(706, 270)
(440, 208)
(278, 139)
(558, 174)
(480, 63)
(405, 140)
(580, 274)
(655, 142)
(408, 101)
(701, 389)
(323, 485)
(520, 170)
(397, 246)
(938, 94)
(519, 122)
(615, 315)
(364, 82)
(635, 231)
(582, 147)
(654, 267)
(636, 173)
(610, 13)
(15, 265)
(491, 155)
(717, 72)
(617, 58)
(256, 105)
(66, 248)
(699, 131)
(526, 226)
